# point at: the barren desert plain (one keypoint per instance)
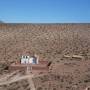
(66, 46)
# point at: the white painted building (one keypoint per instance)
(29, 60)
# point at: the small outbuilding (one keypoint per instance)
(32, 64)
(29, 60)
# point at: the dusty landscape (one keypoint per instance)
(67, 46)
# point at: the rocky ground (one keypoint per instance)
(54, 42)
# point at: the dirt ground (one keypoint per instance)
(66, 45)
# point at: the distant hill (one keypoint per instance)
(1, 21)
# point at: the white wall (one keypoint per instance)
(27, 60)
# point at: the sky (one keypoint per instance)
(45, 11)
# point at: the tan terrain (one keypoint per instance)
(66, 45)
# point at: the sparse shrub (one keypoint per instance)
(39, 88)
(54, 89)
